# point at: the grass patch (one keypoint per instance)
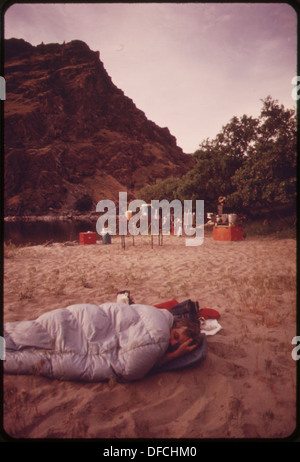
(9, 249)
(281, 228)
(259, 295)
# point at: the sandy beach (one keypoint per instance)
(246, 386)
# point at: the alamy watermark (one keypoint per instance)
(296, 81)
(2, 348)
(296, 350)
(156, 215)
(2, 88)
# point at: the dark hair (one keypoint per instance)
(192, 329)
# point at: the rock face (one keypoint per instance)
(70, 132)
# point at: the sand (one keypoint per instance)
(246, 386)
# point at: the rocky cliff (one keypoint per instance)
(70, 132)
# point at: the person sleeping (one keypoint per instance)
(87, 342)
(184, 338)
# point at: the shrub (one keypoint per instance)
(84, 203)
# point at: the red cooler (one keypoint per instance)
(228, 233)
(87, 238)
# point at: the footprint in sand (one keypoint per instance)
(236, 371)
(227, 351)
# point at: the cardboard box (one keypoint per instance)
(87, 238)
(228, 233)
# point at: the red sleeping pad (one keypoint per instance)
(167, 305)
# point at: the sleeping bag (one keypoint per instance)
(87, 342)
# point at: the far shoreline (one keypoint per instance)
(68, 217)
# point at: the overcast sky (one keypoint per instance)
(190, 67)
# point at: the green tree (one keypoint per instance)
(268, 176)
(217, 160)
(162, 189)
(252, 162)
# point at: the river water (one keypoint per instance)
(41, 232)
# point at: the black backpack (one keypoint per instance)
(187, 309)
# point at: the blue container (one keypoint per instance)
(106, 239)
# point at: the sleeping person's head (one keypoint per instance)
(183, 330)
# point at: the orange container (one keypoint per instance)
(228, 233)
(87, 238)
